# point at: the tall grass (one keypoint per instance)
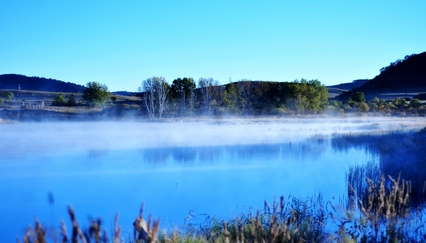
(401, 154)
(295, 221)
(382, 212)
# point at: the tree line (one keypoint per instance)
(357, 103)
(186, 97)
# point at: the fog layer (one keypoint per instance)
(63, 137)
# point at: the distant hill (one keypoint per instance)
(406, 75)
(14, 81)
(335, 90)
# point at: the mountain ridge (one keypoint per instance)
(406, 75)
(19, 81)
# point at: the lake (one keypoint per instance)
(183, 172)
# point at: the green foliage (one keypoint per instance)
(7, 95)
(310, 96)
(363, 107)
(181, 91)
(71, 100)
(415, 103)
(59, 100)
(271, 97)
(358, 97)
(1, 101)
(232, 98)
(96, 94)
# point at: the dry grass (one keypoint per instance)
(381, 213)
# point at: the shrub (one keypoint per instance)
(96, 94)
(71, 100)
(363, 107)
(59, 100)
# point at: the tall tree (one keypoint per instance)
(205, 85)
(155, 92)
(232, 98)
(182, 88)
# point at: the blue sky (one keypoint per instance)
(121, 43)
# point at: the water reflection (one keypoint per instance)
(240, 153)
(400, 153)
(182, 168)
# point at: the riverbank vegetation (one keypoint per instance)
(186, 98)
(382, 212)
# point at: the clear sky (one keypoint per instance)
(121, 43)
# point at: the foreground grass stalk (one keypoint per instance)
(382, 212)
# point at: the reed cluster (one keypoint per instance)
(381, 212)
(295, 221)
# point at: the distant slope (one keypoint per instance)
(13, 81)
(407, 75)
(335, 90)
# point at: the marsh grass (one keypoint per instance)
(382, 212)
(401, 154)
(294, 221)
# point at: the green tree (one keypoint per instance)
(232, 99)
(71, 100)
(358, 97)
(363, 107)
(96, 94)
(59, 100)
(415, 103)
(309, 96)
(182, 89)
(7, 95)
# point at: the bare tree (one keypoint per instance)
(205, 85)
(191, 100)
(148, 96)
(161, 90)
(154, 93)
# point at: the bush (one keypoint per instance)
(96, 94)
(59, 100)
(7, 95)
(71, 100)
(363, 107)
(358, 97)
(415, 103)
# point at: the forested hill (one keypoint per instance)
(406, 75)
(14, 81)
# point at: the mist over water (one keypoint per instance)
(180, 170)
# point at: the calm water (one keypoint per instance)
(182, 172)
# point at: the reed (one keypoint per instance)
(380, 212)
(383, 213)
